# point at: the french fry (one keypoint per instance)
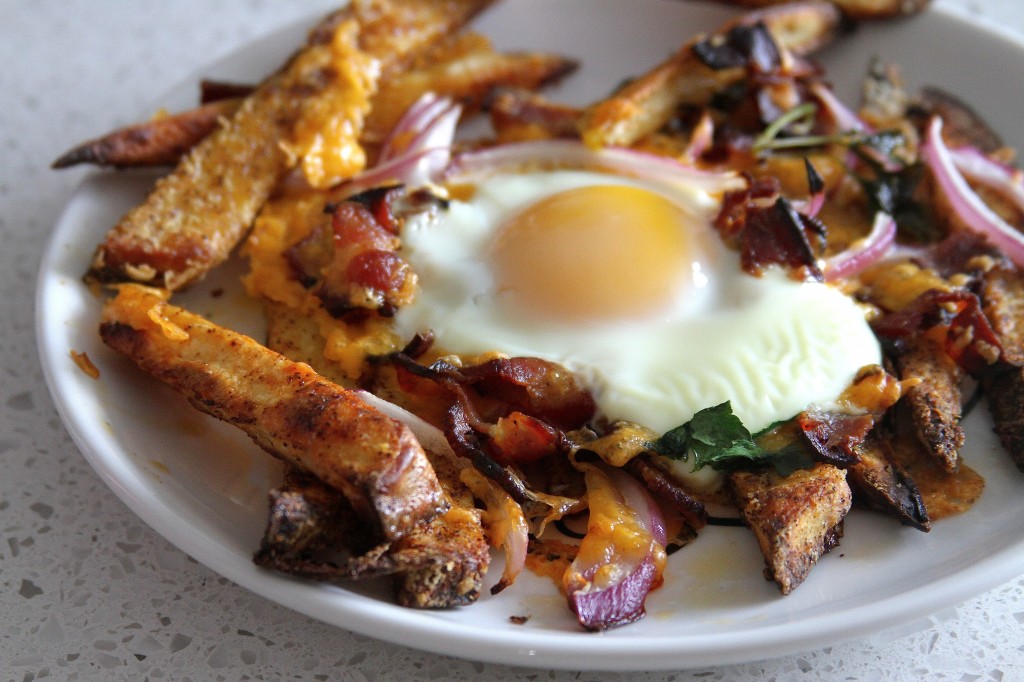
(158, 142)
(1003, 299)
(881, 484)
(518, 115)
(194, 217)
(646, 103)
(284, 406)
(468, 72)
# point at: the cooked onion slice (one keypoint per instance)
(972, 211)
(507, 528)
(844, 119)
(999, 177)
(429, 436)
(418, 150)
(574, 154)
(427, 123)
(622, 556)
(863, 252)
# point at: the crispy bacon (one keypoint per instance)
(537, 387)
(521, 439)
(778, 235)
(835, 436)
(953, 319)
(768, 230)
(350, 260)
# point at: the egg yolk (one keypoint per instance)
(596, 252)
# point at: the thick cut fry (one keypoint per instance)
(796, 519)
(467, 71)
(646, 103)
(315, 105)
(159, 142)
(439, 564)
(284, 406)
(458, 556)
(520, 115)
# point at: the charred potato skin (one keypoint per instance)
(796, 519)
(880, 483)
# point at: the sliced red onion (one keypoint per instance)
(418, 150)
(972, 211)
(428, 435)
(608, 582)
(414, 170)
(507, 525)
(423, 113)
(863, 252)
(701, 139)
(1004, 179)
(575, 154)
(845, 119)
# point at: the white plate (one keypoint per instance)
(203, 485)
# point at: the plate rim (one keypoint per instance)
(370, 617)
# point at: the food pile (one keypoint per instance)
(717, 295)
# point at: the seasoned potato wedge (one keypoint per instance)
(195, 216)
(284, 406)
(796, 518)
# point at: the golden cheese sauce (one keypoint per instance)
(283, 222)
(325, 137)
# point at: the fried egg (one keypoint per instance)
(627, 284)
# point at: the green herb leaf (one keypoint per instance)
(712, 436)
(716, 437)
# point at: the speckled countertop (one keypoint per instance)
(87, 590)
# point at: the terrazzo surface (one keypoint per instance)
(87, 590)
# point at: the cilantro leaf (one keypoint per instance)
(716, 437)
(712, 435)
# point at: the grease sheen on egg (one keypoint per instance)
(651, 311)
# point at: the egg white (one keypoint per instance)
(770, 345)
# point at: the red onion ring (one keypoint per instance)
(418, 150)
(627, 575)
(844, 118)
(865, 251)
(972, 211)
(1007, 180)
